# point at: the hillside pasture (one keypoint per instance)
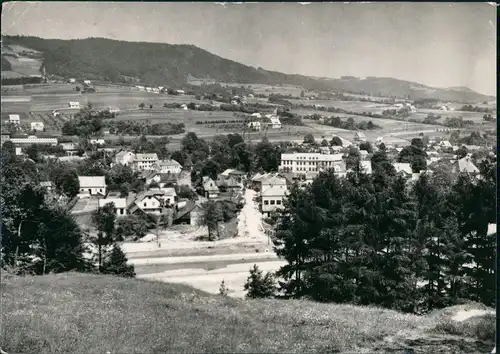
(40, 103)
(263, 89)
(131, 100)
(48, 89)
(24, 66)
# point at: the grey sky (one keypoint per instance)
(437, 44)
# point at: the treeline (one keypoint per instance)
(350, 124)
(470, 108)
(377, 240)
(136, 128)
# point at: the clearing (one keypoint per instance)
(81, 313)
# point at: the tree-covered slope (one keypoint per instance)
(167, 64)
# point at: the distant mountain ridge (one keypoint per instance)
(167, 64)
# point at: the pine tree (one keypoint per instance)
(259, 285)
(223, 290)
(116, 263)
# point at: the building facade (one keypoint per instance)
(308, 162)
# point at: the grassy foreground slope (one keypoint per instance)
(76, 313)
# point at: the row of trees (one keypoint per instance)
(375, 240)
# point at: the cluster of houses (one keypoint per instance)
(270, 120)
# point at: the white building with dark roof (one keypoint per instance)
(37, 126)
(145, 162)
(14, 119)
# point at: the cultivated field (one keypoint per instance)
(24, 66)
(354, 106)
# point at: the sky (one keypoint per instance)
(436, 44)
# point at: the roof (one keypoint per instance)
(275, 181)
(169, 163)
(140, 157)
(466, 165)
(119, 202)
(274, 192)
(445, 143)
(274, 120)
(92, 181)
(231, 171)
(209, 185)
(360, 134)
(403, 167)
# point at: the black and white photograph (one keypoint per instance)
(248, 177)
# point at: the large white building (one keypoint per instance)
(169, 166)
(74, 104)
(145, 162)
(308, 162)
(34, 140)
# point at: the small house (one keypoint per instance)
(272, 199)
(403, 168)
(72, 81)
(145, 162)
(120, 205)
(254, 126)
(92, 185)
(124, 158)
(74, 104)
(210, 188)
(37, 126)
(87, 82)
(14, 119)
(359, 136)
(275, 122)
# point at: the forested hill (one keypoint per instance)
(167, 64)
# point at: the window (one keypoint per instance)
(100, 190)
(266, 202)
(272, 202)
(278, 202)
(121, 211)
(145, 205)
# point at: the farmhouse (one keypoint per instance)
(149, 202)
(74, 104)
(140, 88)
(92, 185)
(72, 81)
(190, 213)
(273, 182)
(124, 158)
(359, 136)
(34, 140)
(14, 119)
(275, 122)
(145, 162)
(169, 166)
(120, 204)
(210, 189)
(97, 142)
(272, 199)
(87, 82)
(465, 165)
(254, 125)
(403, 168)
(37, 126)
(307, 162)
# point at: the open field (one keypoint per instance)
(24, 66)
(354, 106)
(270, 89)
(79, 313)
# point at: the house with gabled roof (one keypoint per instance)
(169, 166)
(272, 199)
(120, 204)
(465, 165)
(210, 188)
(92, 186)
(359, 136)
(403, 168)
(143, 162)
